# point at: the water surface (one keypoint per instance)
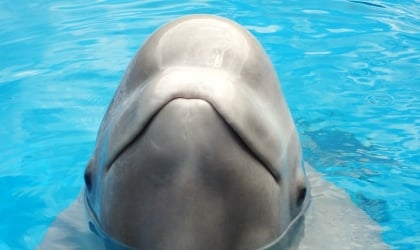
(349, 71)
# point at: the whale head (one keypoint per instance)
(198, 149)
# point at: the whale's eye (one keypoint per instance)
(88, 179)
(301, 195)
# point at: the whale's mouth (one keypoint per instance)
(241, 142)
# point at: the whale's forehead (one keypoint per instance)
(200, 41)
(212, 42)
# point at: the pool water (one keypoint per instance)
(349, 71)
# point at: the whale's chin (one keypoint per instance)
(189, 182)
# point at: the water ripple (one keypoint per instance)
(380, 99)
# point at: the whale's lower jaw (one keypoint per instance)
(189, 182)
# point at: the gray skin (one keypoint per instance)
(198, 149)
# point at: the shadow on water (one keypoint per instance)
(375, 208)
(334, 152)
(369, 4)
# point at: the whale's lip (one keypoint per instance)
(241, 141)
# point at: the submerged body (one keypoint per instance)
(197, 150)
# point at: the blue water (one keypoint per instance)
(349, 71)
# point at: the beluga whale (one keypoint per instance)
(197, 150)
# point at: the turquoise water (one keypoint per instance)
(349, 71)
